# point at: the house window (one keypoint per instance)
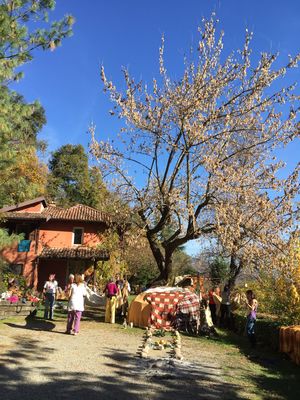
(16, 268)
(77, 235)
(25, 230)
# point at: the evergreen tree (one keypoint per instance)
(69, 176)
(22, 175)
(98, 195)
(219, 270)
(18, 39)
(71, 181)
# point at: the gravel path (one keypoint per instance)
(38, 361)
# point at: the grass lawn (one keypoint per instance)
(262, 373)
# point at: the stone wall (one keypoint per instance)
(13, 310)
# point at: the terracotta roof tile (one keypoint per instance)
(79, 212)
(23, 215)
(79, 253)
(24, 203)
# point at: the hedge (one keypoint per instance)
(266, 329)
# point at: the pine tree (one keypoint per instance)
(68, 180)
(71, 181)
(22, 175)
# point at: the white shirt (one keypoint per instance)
(76, 302)
(51, 286)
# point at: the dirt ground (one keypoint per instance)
(39, 361)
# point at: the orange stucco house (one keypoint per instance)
(56, 240)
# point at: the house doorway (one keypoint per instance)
(78, 266)
(52, 266)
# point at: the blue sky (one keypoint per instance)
(120, 33)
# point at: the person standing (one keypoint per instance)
(225, 308)
(119, 281)
(76, 304)
(49, 292)
(119, 297)
(212, 305)
(125, 295)
(68, 292)
(217, 299)
(252, 305)
(111, 291)
(71, 280)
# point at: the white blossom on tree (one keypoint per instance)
(197, 154)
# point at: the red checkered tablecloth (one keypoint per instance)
(164, 306)
(189, 305)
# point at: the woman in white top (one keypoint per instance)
(76, 304)
(49, 292)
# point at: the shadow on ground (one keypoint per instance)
(89, 314)
(34, 323)
(40, 324)
(130, 377)
(122, 377)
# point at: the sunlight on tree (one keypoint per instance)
(204, 145)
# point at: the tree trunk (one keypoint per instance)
(235, 268)
(165, 273)
(163, 260)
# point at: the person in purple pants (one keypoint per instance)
(76, 304)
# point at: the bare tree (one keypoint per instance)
(192, 149)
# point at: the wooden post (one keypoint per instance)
(67, 271)
(94, 274)
(37, 238)
(198, 286)
(36, 273)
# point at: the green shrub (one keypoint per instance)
(266, 329)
